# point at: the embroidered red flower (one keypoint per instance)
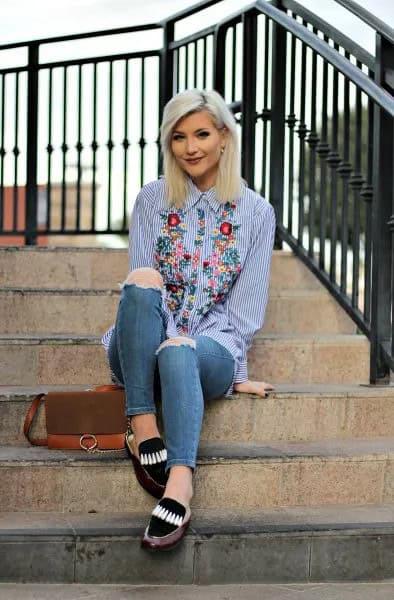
(187, 256)
(173, 220)
(226, 228)
(205, 264)
(173, 288)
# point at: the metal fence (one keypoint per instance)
(315, 114)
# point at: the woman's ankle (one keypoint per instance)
(180, 484)
(144, 427)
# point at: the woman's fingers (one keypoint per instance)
(254, 387)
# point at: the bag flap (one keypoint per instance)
(85, 412)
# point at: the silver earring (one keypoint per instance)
(222, 149)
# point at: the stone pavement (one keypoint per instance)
(312, 591)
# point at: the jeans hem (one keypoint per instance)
(140, 411)
(179, 462)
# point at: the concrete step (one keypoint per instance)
(31, 360)
(46, 311)
(378, 590)
(232, 476)
(299, 545)
(284, 358)
(291, 413)
(104, 268)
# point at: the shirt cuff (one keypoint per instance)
(242, 372)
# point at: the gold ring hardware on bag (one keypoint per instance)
(87, 436)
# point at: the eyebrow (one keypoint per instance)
(196, 131)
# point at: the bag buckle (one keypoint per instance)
(87, 447)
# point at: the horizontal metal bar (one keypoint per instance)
(360, 53)
(353, 73)
(98, 59)
(355, 314)
(192, 38)
(81, 36)
(14, 70)
(368, 18)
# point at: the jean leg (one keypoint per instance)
(189, 376)
(139, 329)
(215, 365)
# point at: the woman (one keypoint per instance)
(200, 251)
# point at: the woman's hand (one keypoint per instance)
(253, 387)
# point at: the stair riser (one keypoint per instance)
(51, 313)
(254, 558)
(237, 485)
(64, 269)
(306, 361)
(272, 360)
(257, 420)
(52, 364)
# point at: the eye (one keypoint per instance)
(203, 134)
(177, 136)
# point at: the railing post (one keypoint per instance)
(278, 110)
(166, 68)
(249, 20)
(382, 210)
(219, 57)
(31, 144)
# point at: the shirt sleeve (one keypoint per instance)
(248, 297)
(141, 242)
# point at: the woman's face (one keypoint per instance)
(197, 146)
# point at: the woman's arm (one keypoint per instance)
(248, 297)
(141, 242)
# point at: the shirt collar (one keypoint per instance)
(194, 195)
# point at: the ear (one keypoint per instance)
(224, 135)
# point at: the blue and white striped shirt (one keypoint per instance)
(214, 259)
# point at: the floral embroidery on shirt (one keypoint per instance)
(171, 258)
(223, 265)
(198, 242)
(180, 268)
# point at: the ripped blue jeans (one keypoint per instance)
(186, 375)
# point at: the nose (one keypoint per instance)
(191, 147)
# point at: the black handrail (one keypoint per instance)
(368, 18)
(377, 94)
(81, 36)
(343, 40)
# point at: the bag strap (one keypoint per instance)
(29, 421)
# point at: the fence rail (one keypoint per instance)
(315, 116)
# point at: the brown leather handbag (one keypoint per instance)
(90, 420)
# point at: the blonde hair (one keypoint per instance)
(228, 181)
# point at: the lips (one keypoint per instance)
(193, 161)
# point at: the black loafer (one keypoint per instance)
(167, 526)
(150, 467)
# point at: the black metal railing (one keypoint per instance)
(315, 114)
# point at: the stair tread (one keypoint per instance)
(282, 390)
(205, 522)
(115, 289)
(225, 452)
(10, 338)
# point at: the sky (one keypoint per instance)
(23, 20)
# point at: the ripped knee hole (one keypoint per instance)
(177, 341)
(145, 277)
